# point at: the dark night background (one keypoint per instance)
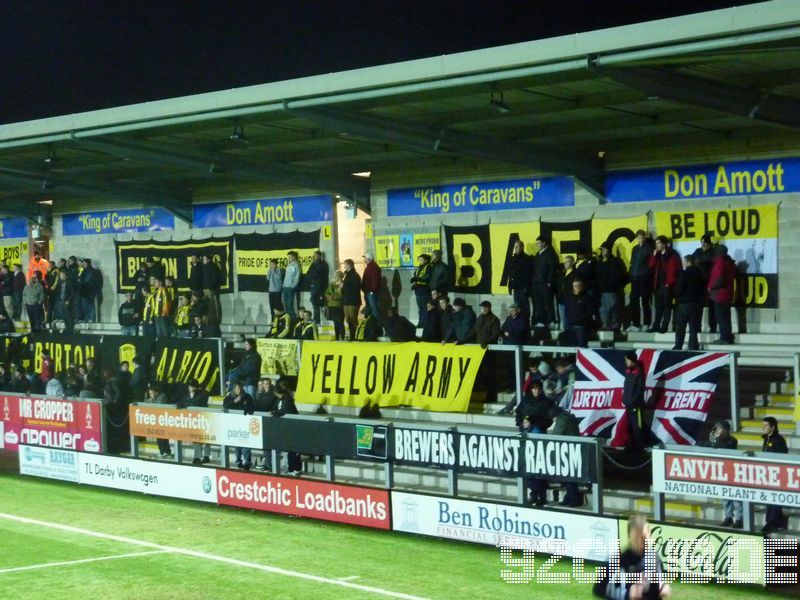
(60, 57)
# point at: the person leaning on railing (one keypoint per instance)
(238, 399)
(720, 437)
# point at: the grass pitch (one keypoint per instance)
(177, 549)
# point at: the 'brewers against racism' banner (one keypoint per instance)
(478, 255)
(429, 376)
(175, 258)
(680, 387)
(751, 236)
(255, 250)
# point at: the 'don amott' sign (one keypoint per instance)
(267, 211)
(747, 178)
(117, 221)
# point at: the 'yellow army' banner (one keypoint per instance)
(751, 236)
(278, 357)
(428, 376)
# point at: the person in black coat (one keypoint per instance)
(212, 280)
(611, 279)
(399, 328)
(514, 330)
(641, 282)
(703, 259)
(235, 400)
(544, 282)
(284, 405)
(633, 399)
(773, 442)
(580, 313)
(249, 369)
(432, 323)
(351, 296)
(195, 275)
(690, 295)
(317, 278)
(520, 274)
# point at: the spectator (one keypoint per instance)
(565, 377)
(7, 289)
(531, 377)
(18, 382)
(33, 297)
(239, 399)
(161, 309)
(641, 283)
(195, 275)
(284, 405)
(197, 397)
(182, 321)
(55, 387)
(19, 287)
(565, 278)
(665, 265)
(633, 399)
(274, 284)
(720, 437)
(38, 265)
(520, 273)
(154, 268)
(52, 282)
(690, 296)
(368, 329)
(580, 315)
(212, 281)
(333, 305)
(171, 294)
(440, 276)
(73, 268)
(65, 302)
(611, 279)
(281, 324)
(703, 259)
(514, 330)
(139, 379)
(431, 323)
(720, 290)
(47, 369)
(462, 325)
(317, 278)
(624, 579)
(445, 314)
(566, 423)
(198, 307)
(351, 296)
(420, 283)
(5, 378)
(371, 286)
(6, 322)
(128, 316)
(201, 329)
(398, 328)
(265, 396)
(586, 271)
(249, 369)
(87, 292)
(291, 284)
(155, 395)
(149, 314)
(544, 279)
(487, 325)
(773, 442)
(305, 329)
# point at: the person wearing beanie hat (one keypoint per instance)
(773, 442)
(633, 399)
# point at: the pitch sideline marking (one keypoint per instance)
(79, 561)
(212, 557)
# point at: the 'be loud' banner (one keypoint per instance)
(427, 376)
(751, 236)
(175, 256)
(255, 250)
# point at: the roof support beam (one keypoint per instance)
(180, 206)
(232, 166)
(696, 91)
(444, 140)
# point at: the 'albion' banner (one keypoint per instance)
(177, 360)
(429, 376)
(751, 236)
(762, 479)
(52, 422)
(175, 258)
(199, 426)
(479, 255)
(255, 250)
(680, 387)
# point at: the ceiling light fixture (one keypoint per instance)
(51, 155)
(238, 133)
(365, 174)
(497, 102)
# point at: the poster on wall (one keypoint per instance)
(751, 236)
(255, 250)
(680, 388)
(14, 254)
(13, 227)
(175, 256)
(387, 251)
(117, 221)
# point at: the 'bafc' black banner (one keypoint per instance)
(174, 256)
(105, 350)
(255, 250)
(553, 458)
(470, 259)
(178, 360)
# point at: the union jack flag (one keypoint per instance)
(680, 387)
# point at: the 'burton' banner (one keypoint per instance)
(680, 387)
(255, 250)
(175, 258)
(177, 360)
(105, 350)
(428, 376)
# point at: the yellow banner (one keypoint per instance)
(256, 262)
(756, 222)
(278, 357)
(620, 232)
(428, 376)
(14, 254)
(426, 243)
(387, 251)
(501, 239)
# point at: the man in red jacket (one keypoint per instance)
(720, 291)
(665, 264)
(371, 285)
